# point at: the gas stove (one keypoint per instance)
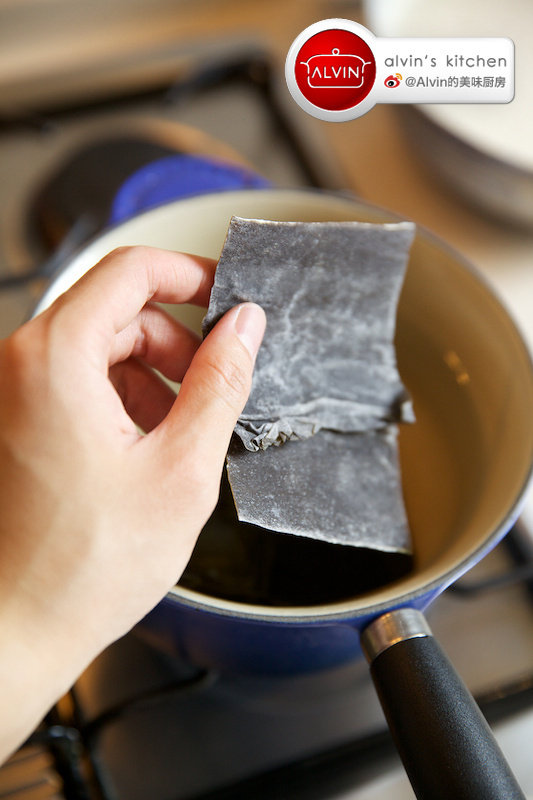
(139, 724)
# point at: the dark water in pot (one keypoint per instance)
(246, 563)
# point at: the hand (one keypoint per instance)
(98, 521)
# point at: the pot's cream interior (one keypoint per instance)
(466, 461)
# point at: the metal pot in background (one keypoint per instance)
(466, 464)
(493, 185)
(482, 152)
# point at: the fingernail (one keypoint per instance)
(250, 323)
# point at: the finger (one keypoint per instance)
(112, 293)
(159, 340)
(146, 398)
(215, 389)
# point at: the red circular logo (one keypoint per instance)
(335, 69)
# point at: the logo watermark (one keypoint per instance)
(338, 70)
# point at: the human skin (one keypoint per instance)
(97, 520)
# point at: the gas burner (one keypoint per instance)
(66, 164)
(85, 184)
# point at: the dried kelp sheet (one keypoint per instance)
(326, 389)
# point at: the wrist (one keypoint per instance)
(37, 667)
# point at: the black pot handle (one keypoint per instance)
(445, 743)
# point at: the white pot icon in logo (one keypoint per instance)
(335, 70)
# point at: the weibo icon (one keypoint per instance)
(393, 81)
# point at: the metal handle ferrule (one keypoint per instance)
(392, 628)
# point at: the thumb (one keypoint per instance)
(217, 384)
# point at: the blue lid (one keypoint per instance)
(177, 176)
